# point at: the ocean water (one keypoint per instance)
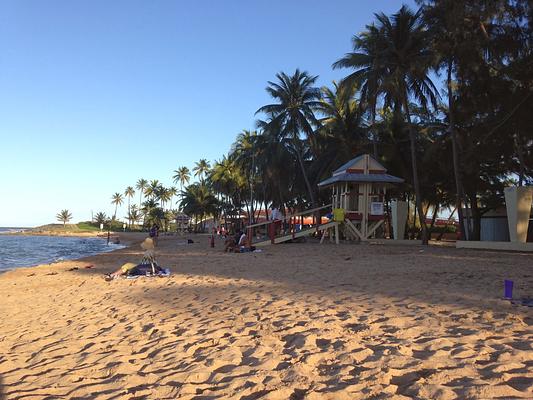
(25, 251)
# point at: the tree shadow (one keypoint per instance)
(2, 395)
(428, 275)
(285, 290)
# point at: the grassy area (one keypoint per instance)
(87, 226)
(84, 226)
(70, 228)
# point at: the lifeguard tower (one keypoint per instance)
(358, 191)
(182, 222)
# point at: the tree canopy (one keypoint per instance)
(440, 95)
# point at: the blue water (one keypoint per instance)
(25, 251)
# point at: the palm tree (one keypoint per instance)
(172, 191)
(244, 152)
(117, 200)
(134, 215)
(279, 170)
(369, 72)
(141, 186)
(129, 193)
(100, 218)
(163, 194)
(446, 21)
(403, 57)
(152, 189)
(148, 205)
(198, 200)
(153, 213)
(341, 134)
(228, 179)
(201, 169)
(181, 176)
(293, 113)
(64, 216)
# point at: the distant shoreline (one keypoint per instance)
(37, 232)
(70, 230)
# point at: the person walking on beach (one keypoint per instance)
(154, 233)
(275, 215)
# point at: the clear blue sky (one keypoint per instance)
(97, 94)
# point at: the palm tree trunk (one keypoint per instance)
(434, 218)
(225, 199)
(476, 216)
(281, 202)
(459, 199)
(408, 200)
(307, 184)
(416, 183)
(251, 213)
(520, 154)
(446, 226)
(248, 211)
(181, 194)
(374, 138)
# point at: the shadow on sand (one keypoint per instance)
(2, 396)
(426, 275)
(285, 290)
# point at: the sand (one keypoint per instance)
(296, 321)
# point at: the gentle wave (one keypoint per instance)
(26, 251)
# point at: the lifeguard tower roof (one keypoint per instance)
(181, 217)
(364, 169)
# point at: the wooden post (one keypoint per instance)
(336, 233)
(293, 230)
(323, 235)
(345, 206)
(364, 210)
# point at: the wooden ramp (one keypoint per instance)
(294, 235)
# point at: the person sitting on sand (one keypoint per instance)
(148, 260)
(230, 244)
(244, 244)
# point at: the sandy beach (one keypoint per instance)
(296, 321)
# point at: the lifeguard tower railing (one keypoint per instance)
(290, 227)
